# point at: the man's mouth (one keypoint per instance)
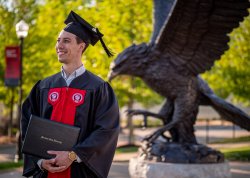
(60, 53)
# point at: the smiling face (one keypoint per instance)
(67, 48)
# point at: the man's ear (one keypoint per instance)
(85, 46)
(81, 46)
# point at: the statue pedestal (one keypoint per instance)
(139, 168)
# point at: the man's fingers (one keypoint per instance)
(56, 169)
(51, 161)
(47, 162)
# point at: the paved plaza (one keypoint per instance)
(119, 167)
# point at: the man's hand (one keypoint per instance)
(50, 166)
(59, 163)
(61, 158)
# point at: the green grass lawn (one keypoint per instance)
(232, 154)
(234, 140)
(10, 165)
(237, 154)
(127, 149)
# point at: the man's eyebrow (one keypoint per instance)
(65, 38)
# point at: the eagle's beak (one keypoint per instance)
(111, 75)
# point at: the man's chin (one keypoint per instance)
(61, 60)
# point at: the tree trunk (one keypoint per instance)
(130, 126)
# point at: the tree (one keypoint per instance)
(123, 23)
(123, 19)
(121, 27)
(11, 13)
(119, 21)
(231, 74)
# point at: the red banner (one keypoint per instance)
(12, 70)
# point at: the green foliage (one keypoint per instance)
(12, 12)
(6, 30)
(122, 22)
(122, 25)
(231, 74)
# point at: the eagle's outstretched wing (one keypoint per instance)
(195, 32)
(160, 13)
(229, 112)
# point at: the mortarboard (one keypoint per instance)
(81, 28)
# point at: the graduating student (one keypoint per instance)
(76, 97)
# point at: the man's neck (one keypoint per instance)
(70, 68)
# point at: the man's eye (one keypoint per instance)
(66, 41)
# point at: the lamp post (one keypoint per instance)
(22, 32)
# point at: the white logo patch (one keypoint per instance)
(54, 96)
(77, 97)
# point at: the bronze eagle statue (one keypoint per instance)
(188, 36)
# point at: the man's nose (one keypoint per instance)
(59, 44)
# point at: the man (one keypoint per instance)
(77, 97)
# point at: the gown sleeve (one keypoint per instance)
(30, 106)
(97, 150)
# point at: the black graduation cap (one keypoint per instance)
(81, 28)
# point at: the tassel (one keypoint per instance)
(109, 52)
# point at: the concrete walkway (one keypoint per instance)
(119, 167)
(120, 170)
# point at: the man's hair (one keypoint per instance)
(79, 40)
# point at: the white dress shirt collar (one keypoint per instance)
(73, 75)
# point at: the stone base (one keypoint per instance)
(183, 153)
(139, 168)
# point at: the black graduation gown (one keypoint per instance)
(97, 116)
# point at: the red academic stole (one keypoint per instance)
(64, 102)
